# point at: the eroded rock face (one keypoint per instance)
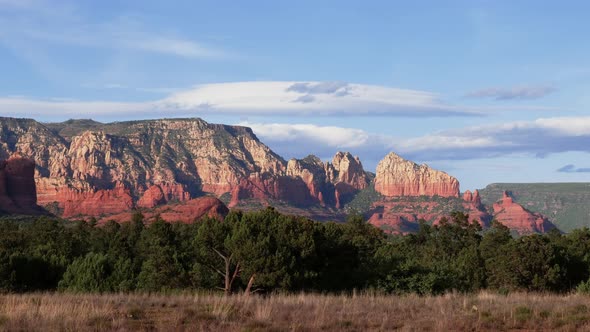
(163, 193)
(516, 217)
(311, 171)
(187, 212)
(396, 176)
(347, 169)
(17, 186)
(263, 187)
(136, 163)
(472, 205)
(329, 183)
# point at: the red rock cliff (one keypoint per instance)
(399, 177)
(517, 218)
(17, 186)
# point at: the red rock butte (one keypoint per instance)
(17, 186)
(516, 217)
(396, 176)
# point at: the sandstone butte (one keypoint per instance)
(519, 219)
(17, 186)
(402, 214)
(396, 176)
(86, 168)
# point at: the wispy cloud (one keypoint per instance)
(317, 98)
(262, 98)
(573, 169)
(513, 93)
(25, 107)
(34, 22)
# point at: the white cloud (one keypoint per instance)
(317, 98)
(540, 137)
(174, 46)
(265, 98)
(517, 92)
(335, 137)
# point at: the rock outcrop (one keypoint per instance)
(311, 170)
(396, 176)
(477, 211)
(163, 193)
(330, 184)
(85, 168)
(347, 169)
(186, 212)
(519, 219)
(17, 186)
(88, 168)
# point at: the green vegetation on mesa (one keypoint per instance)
(265, 251)
(565, 204)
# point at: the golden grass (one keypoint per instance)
(297, 312)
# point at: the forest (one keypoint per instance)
(267, 252)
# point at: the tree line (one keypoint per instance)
(266, 251)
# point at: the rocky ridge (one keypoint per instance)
(86, 168)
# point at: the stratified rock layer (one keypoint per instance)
(519, 219)
(330, 183)
(85, 168)
(396, 176)
(89, 168)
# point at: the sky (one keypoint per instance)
(488, 91)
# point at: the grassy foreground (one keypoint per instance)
(304, 312)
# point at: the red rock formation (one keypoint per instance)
(470, 197)
(264, 187)
(472, 205)
(186, 212)
(17, 186)
(80, 160)
(348, 176)
(393, 223)
(194, 209)
(94, 203)
(517, 218)
(330, 183)
(152, 197)
(161, 194)
(399, 177)
(311, 171)
(347, 169)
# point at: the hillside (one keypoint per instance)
(565, 204)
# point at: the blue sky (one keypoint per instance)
(489, 91)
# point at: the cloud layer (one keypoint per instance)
(513, 93)
(573, 169)
(538, 138)
(312, 98)
(258, 98)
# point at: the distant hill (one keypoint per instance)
(565, 204)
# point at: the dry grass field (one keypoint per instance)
(304, 312)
